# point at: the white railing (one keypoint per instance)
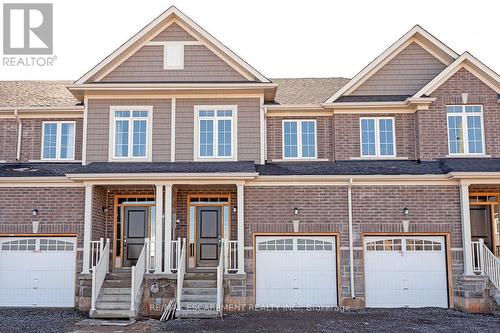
(181, 269)
(99, 272)
(485, 262)
(232, 264)
(96, 248)
(137, 276)
(150, 255)
(220, 279)
(175, 254)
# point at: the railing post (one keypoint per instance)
(159, 229)
(109, 249)
(168, 228)
(226, 255)
(481, 255)
(179, 250)
(148, 254)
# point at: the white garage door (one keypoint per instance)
(37, 272)
(296, 271)
(405, 272)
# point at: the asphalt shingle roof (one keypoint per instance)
(36, 94)
(307, 90)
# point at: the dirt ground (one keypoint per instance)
(368, 320)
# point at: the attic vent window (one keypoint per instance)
(174, 56)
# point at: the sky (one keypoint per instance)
(290, 38)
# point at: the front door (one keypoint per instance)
(135, 230)
(208, 231)
(480, 221)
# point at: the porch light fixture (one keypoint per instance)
(235, 209)
(295, 211)
(34, 212)
(104, 209)
(406, 211)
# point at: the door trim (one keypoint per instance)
(296, 234)
(447, 252)
(493, 226)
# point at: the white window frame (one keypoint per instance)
(299, 139)
(377, 137)
(165, 56)
(465, 128)
(234, 127)
(149, 134)
(58, 140)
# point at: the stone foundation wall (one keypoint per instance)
(472, 294)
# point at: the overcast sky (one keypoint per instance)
(287, 38)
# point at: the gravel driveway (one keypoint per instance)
(373, 320)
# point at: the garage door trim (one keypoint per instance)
(297, 234)
(447, 252)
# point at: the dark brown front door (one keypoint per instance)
(207, 236)
(135, 230)
(480, 222)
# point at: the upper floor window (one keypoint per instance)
(465, 129)
(215, 131)
(174, 55)
(299, 139)
(58, 140)
(131, 133)
(377, 137)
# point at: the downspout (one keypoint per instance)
(19, 135)
(351, 240)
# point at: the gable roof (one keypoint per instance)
(154, 28)
(417, 33)
(469, 62)
(36, 94)
(292, 91)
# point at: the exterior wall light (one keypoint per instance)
(235, 209)
(295, 211)
(34, 212)
(406, 211)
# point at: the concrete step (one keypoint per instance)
(199, 291)
(112, 314)
(113, 305)
(194, 314)
(199, 306)
(200, 284)
(118, 276)
(200, 276)
(117, 283)
(115, 291)
(114, 298)
(198, 298)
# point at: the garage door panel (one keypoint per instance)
(413, 276)
(294, 277)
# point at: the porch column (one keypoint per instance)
(241, 228)
(159, 228)
(87, 229)
(466, 233)
(168, 228)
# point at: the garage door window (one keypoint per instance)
(33, 244)
(276, 245)
(422, 245)
(384, 245)
(19, 245)
(313, 245)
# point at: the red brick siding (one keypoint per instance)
(347, 135)
(275, 137)
(8, 139)
(432, 123)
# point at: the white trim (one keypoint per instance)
(172, 129)
(167, 86)
(165, 55)
(42, 108)
(390, 53)
(454, 67)
(466, 229)
(299, 139)
(240, 193)
(377, 137)
(149, 135)
(84, 134)
(262, 131)
(465, 129)
(59, 124)
(162, 43)
(176, 12)
(234, 132)
(159, 229)
(87, 229)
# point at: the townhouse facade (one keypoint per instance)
(174, 170)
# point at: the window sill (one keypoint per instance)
(379, 158)
(54, 161)
(3, 161)
(468, 156)
(300, 160)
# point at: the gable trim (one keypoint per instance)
(388, 55)
(171, 11)
(458, 64)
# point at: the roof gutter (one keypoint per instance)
(170, 175)
(166, 86)
(19, 134)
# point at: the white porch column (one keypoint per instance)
(87, 229)
(168, 228)
(159, 228)
(241, 228)
(466, 233)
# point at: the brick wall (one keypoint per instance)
(324, 145)
(432, 123)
